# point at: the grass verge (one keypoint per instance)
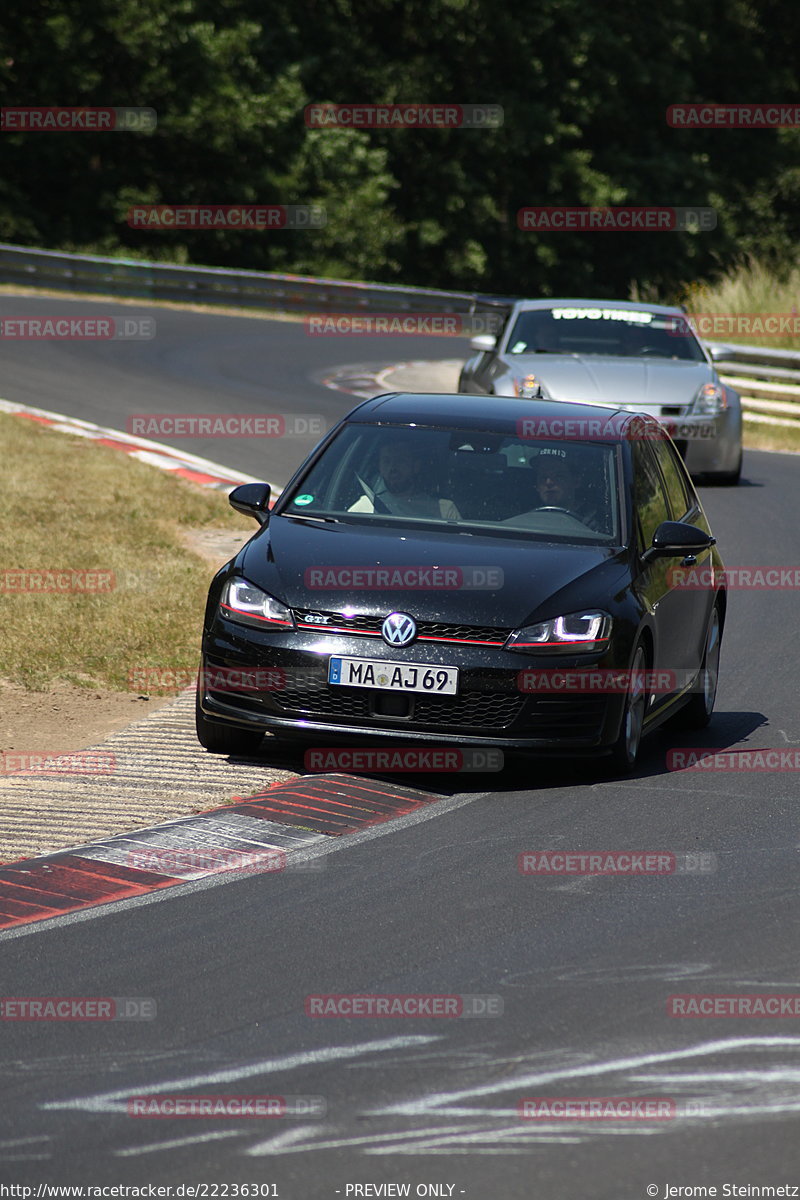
(68, 504)
(750, 289)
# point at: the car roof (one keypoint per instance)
(495, 413)
(666, 309)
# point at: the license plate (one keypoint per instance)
(393, 676)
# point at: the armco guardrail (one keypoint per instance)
(768, 380)
(219, 285)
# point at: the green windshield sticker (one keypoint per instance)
(304, 499)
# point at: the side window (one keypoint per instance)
(679, 499)
(649, 496)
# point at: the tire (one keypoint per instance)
(225, 739)
(697, 713)
(728, 478)
(625, 750)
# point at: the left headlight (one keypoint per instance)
(570, 634)
(529, 386)
(711, 399)
(243, 602)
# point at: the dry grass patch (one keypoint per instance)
(67, 503)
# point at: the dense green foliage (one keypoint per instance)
(584, 86)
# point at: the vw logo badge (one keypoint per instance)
(399, 629)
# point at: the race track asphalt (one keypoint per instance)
(433, 903)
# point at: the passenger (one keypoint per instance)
(401, 490)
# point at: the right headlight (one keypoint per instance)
(244, 602)
(711, 400)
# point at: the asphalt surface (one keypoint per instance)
(434, 903)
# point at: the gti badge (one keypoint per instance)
(399, 629)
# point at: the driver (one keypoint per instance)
(401, 489)
(555, 479)
(557, 482)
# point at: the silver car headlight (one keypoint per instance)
(570, 634)
(243, 602)
(711, 400)
(529, 386)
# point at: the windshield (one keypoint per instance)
(497, 483)
(625, 333)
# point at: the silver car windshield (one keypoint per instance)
(489, 482)
(624, 333)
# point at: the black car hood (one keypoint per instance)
(283, 556)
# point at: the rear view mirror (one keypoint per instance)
(252, 499)
(484, 343)
(676, 539)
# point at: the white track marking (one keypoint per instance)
(438, 1103)
(132, 1151)
(116, 1101)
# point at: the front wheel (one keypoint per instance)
(225, 739)
(626, 748)
(697, 713)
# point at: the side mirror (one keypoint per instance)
(675, 539)
(252, 499)
(719, 353)
(484, 343)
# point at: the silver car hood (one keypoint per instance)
(644, 384)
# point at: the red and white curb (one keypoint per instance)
(259, 834)
(197, 470)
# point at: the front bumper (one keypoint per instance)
(491, 707)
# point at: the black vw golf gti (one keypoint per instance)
(467, 574)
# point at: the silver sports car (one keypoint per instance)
(641, 357)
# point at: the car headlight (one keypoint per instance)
(570, 634)
(711, 399)
(529, 386)
(243, 602)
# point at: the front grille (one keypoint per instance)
(477, 710)
(329, 702)
(426, 630)
(565, 717)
